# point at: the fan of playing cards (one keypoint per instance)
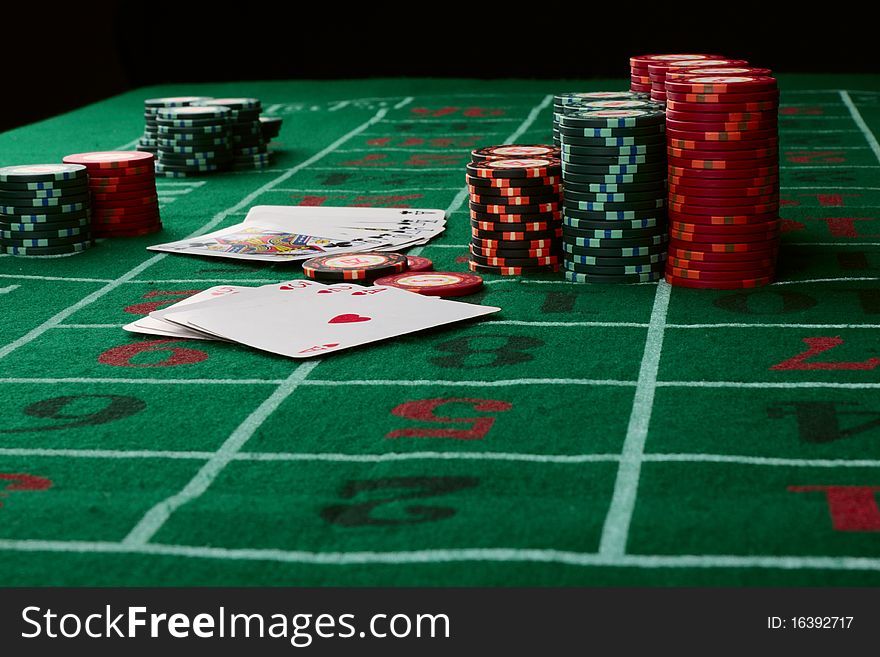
(304, 318)
(278, 233)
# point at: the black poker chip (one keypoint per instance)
(515, 209)
(64, 249)
(515, 227)
(616, 215)
(614, 243)
(12, 196)
(611, 261)
(499, 261)
(613, 233)
(613, 197)
(606, 168)
(615, 270)
(355, 266)
(623, 224)
(515, 201)
(511, 270)
(649, 151)
(618, 251)
(516, 236)
(30, 173)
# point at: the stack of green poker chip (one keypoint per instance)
(568, 103)
(614, 212)
(248, 144)
(193, 140)
(44, 210)
(149, 141)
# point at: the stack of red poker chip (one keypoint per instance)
(515, 209)
(122, 186)
(658, 71)
(722, 138)
(640, 73)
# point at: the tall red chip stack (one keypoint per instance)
(640, 72)
(659, 72)
(722, 143)
(122, 186)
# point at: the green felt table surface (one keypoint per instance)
(585, 435)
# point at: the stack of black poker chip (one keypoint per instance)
(149, 142)
(614, 210)
(194, 140)
(44, 210)
(249, 146)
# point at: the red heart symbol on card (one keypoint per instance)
(325, 291)
(348, 319)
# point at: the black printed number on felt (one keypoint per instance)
(116, 407)
(477, 351)
(403, 488)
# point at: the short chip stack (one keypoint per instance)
(614, 198)
(249, 148)
(44, 210)
(149, 142)
(574, 101)
(123, 192)
(270, 127)
(640, 72)
(723, 181)
(355, 266)
(515, 209)
(193, 140)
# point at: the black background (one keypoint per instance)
(61, 56)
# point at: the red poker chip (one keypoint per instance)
(724, 210)
(99, 184)
(722, 107)
(731, 202)
(722, 192)
(126, 222)
(770, 244)
(719, 238)
(640, 88)
(743, 154)
(513, 253)
(514, 151)
(724, 218)
(770, 145)
(725, 98)
(717, 285)
(701, 120)
(715, 84)
(435, 283)
(721, 136)
(751, 172)
(658, 95)
(418, 263)
(121, 173)
(640, 79)
(644, 61)
(690, 253)
(702, 275)
(680, 74)
(546, 243)
(702, 128)
(110, 159)
(134, 232)
(662, 69)
(134, 195)
(113, 211)
(721, 183)
(514, 201)
(764, 227)
(710, 164)
(113, 190)
(514, 168)
(514, 182)
(737, 265)
(127, 203)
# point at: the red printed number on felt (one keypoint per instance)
(423, 410)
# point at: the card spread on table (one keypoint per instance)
(301, 319)
(278, 233)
